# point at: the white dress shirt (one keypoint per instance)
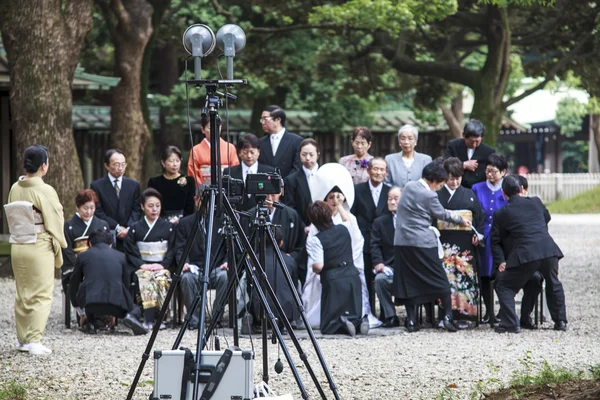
(253, 169)
(119, 181)
(470, 153)
(375, 192)
(276, 139)
(310, 178)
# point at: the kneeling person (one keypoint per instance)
(99, 283)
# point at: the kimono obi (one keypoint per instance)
(25, 222)
(451, 226)
(80, 244)
(153, 251)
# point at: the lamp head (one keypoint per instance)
(231, 39)
(199, 40)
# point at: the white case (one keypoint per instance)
(237, 382)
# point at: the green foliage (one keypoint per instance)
(506, 3)
(13, 390)
(547, 374)
(569, 114)
(587, 202)
(575, 156)
(595, 371)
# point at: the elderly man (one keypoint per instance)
(472, 152)
(407, 165)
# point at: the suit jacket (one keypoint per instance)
(297, 194)
(458, 148)
(101, 276)
(123, 210)
(399, 175)
(525, 220)
(382, 241)
(197, 253)
(365, 210)
(236, 173)
(287, 159)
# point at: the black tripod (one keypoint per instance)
(215, 202)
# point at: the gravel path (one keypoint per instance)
(389, 364)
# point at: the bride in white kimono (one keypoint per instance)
(331, 179)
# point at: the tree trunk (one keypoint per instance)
(595, 122)
(489, 113)
(43, 41)
(454, 115)
(130, 25)
(167, 74)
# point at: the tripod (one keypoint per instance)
(215, 202)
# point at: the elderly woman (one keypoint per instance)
(419, 276)
(407, 165)
(35, 220)
(149, 248)
(358, 162)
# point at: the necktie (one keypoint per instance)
(375, 194)
(117, 188)
(274, 143)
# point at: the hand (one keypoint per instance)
(306, 229)
(157, 267)
(378, 268)
(339, 199)
(465, 223)
(470, 165)
(122, 234)
(186, 267)
(475, 240)
(146, 267)
(502, 267)
(223, 266)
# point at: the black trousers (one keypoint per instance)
(370, 281)
(509, 282)
(531, 291)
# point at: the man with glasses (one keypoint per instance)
(471, 150)
(118, 196)
(280, 147)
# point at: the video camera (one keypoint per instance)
(262, 184)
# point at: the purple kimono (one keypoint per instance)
(491, 199)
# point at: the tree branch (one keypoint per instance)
(121, 12)
(219, 9)
(295, 28)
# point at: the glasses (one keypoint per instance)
(265, 119)
(119, 164)
(491, 171)
(360, 143)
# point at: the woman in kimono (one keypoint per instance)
(35, 220)
(461, 256)
(149, 248)
(77, 230)
(357, 163)
(489, 194)
(330, 257)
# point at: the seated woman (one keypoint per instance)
(77, 230)
(330, 256)
(149, 248)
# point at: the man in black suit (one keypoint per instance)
(382, 255)
(472, 152)
(370, 202)
(118, 196)
(99, 284)
(248, 148)
(279, 148)
(532, 249)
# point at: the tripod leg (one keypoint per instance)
(231, 274)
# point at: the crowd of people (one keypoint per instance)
(403, 229)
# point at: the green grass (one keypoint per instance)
(587, 202)
(12, 390)
(4, 249)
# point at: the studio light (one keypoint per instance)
(231, 39)
(199, 41)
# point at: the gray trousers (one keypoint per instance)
(383, 288)
(190, 285)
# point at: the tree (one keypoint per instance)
(43, 40)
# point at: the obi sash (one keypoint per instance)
(451, 226)
(153, 251)
(25, 222)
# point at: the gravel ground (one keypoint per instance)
(388, 364)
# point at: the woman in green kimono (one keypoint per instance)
(35, 219)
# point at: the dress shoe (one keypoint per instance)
(527, 324)
(90, 329)
(391, 322)
(449, 324)
(411, 327)
(363, 328)
(504, 329)
(560, 326)
(486, 319)
(136, 327)
(349, 326)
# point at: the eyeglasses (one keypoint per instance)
(119, 164)
(265, 119)
(492, 171)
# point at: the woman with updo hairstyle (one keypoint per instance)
(35, 220)
(77, 230)
(150, 251)
(297, 189)
(176, 189)
(358, 162)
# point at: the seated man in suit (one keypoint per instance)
(248, 148)
(370, 202)
(99, 285)
(118, 196)
(472, 152)
(532, 249)
(382, 255)
(280, 147)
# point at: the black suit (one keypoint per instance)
(382, 252)
(123, 210)
(365, 211)
(236, 173)
(287, 158)
(458, 148)
(297, 194)
(532, 249)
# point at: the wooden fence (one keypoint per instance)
(552, 187)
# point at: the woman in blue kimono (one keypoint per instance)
(489, 194)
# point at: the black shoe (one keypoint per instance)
(504, 329)
(349, 326)
(363, 328)
(449, 324)
(527, 324)
(486, 319)
(560, 326)
(132, 323)
(411, 327)
(90, 329)
(391, 322)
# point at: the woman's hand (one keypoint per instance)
(475, 240)
(339, 200)
(465, 223)
(146, 267)
(156, 267)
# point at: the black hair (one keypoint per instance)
(319, 214)
(33, 158)
(454, 167)
(109, 153)
(309, 141)
(277, 112)
(372, 160)
(363, 132)
(170, 150)
(511, 185)
(277, 234)
(523, 182)
(150, 192)
(248, 141)
(100, 236)
(473, 128)
(498, 161)
(434, 171)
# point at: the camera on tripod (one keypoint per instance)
(264, 184)
(234, 189)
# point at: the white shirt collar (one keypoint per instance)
(494, 188)
(89, 220)
(378, 187)
(422, 181)
(307, 171)
(470, 153)
(278, 135)
(112, 179)
(207, 141)
(150, 225)
(251, 169)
